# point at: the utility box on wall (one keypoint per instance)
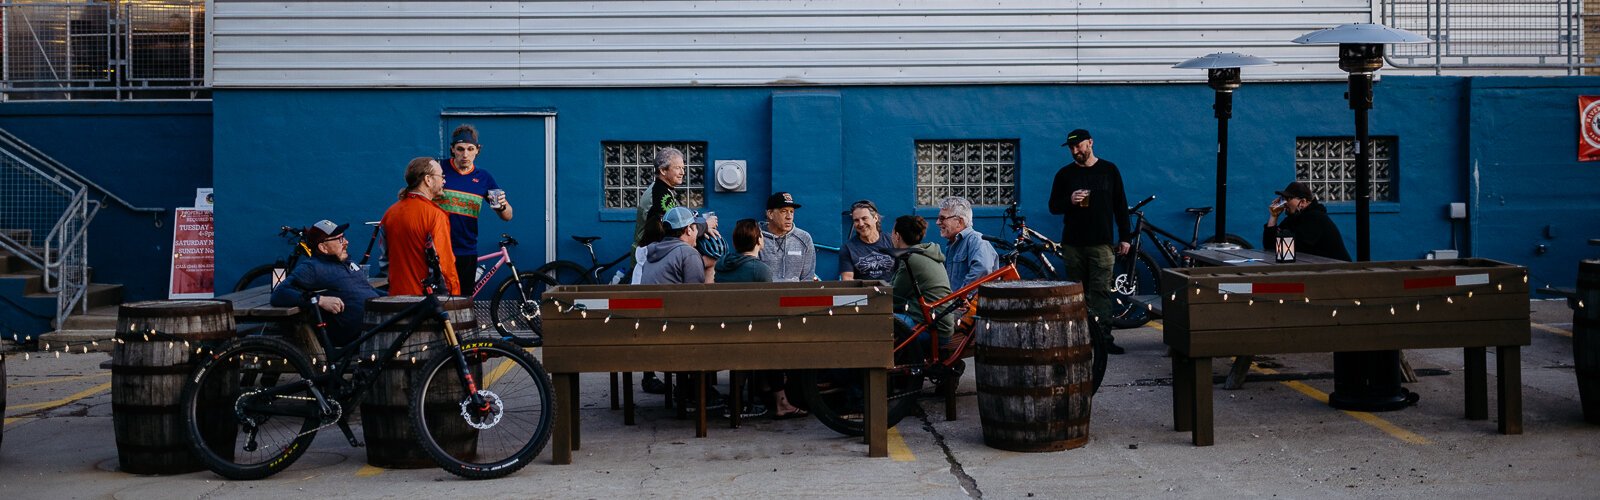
(730, 176)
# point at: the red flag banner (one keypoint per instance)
(1588, 128)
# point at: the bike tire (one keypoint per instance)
(511, 434)
(565, 272)
(220, 408)
(1139, 276)
(836, 407)
(515, 307)
(256, 276)
(1028, 269)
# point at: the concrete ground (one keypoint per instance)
(1274, 438)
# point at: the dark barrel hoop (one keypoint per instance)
(1034, 365)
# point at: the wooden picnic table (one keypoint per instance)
(1246, 257)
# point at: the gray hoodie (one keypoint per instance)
(791, 256)
(672, 261)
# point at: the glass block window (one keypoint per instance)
(629, 169)
(983, 172)
(1327, 165)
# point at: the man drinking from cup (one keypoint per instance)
(467, 188)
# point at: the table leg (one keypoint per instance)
(700, 414)
(561, 435)
(1508, 367)
(627, 398)
(614, 403)
(572, 411)
(1477, 382)
(876, 418)
(1182, 394)
(1200, 373)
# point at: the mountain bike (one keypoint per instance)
(1135, 276)
(515, 306)
(834, 396)
(271, 272)
(480, 408)
(566, 272)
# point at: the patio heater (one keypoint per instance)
(1364, 381)
(1222, 74)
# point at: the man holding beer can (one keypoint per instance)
(467, 189)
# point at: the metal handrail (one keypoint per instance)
(12, 141)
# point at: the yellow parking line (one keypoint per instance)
(500, 370)
(1156, 324)
(898, 451)
(1365, 417)
(368, 471)
(57, 380)
(8, 421)
(92, 391)
(1551, 329)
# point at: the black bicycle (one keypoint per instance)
(566, 272)
(1135, 279)
(480, 408)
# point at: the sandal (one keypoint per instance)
(797, 413)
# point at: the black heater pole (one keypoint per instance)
(1224, 108)
(1361, 102)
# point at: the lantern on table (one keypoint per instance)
(1285, 246)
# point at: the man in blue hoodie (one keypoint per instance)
(342, 284)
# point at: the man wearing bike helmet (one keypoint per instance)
(342, 284)
(467, 189)
(1088, 195)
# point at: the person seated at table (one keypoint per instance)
(924, 270)
(342, 284)
(674, 260)
(1314, 233)
(862, 256)
(744, 265)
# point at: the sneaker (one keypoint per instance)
(714, 400)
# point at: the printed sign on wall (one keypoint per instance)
(193, 263)
(1588, 128)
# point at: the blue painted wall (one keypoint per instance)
(153, 154)
(293, 156)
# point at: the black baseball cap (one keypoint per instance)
(1076, 136)
(1296, 189)
(781, 199)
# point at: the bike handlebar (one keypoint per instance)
(1142, 203)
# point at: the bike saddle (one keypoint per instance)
(586, 239)
(902, 253)
(1198, 210)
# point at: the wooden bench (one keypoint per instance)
(1422, 304)
(724, 326)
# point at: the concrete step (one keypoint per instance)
(77, 340)
(23, 281)
(99, 294)
(98, 318)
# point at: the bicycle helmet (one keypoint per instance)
(712, 246)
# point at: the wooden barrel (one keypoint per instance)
(1586, 338)
(147, 376)
(1034, 365)
(385, 411)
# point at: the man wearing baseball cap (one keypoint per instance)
(1314, 232)
(342, 285)
(674, 258)
(1088, 195)
(785, 248)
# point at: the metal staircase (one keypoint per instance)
(45, 211)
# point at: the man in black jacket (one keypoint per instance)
(343, 285)
(1089, 197)
(1314, 233)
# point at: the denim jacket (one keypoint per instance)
(969, 258)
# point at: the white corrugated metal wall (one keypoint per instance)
(743, 42)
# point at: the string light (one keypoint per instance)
(1335, 313)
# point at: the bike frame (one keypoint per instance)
(930, 317)
(504, 257)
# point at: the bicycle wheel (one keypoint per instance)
(1134, 275)
(1030, 269)
(247, 409)
(565, 272)
(515, 307)
(256, 276)
(510, 428)
(839, 403)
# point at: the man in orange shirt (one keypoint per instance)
(408, 224)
